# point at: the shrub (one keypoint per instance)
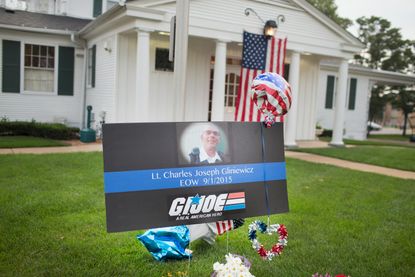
(38, 129)
(326, 133)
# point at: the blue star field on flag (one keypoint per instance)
(254, 51)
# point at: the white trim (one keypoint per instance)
(329, 23)
(55, 70)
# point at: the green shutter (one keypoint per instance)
(352, 93)
(94, 55)
(66, 70)
(97, 7)
(329, 92)
(11, 66)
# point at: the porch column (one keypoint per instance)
(294, 81)
(337, 137)
(142, 84)
(218, 94)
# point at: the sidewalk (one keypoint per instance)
(97, 146)
(351, 165)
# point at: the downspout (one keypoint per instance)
(82, 44)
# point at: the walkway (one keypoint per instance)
(90, 147)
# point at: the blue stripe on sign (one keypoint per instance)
(234, 207)
(213, 175)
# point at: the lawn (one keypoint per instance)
(52, 222)
(380, 142)
(26, 141)
(390, 137)
(387, 156)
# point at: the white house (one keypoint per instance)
(117, 62)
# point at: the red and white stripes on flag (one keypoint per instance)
(259, 55)
(223, 226)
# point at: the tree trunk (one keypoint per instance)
(405, 121)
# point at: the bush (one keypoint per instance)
(326, 133)
(38, 129)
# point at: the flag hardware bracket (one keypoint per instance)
(271, 26)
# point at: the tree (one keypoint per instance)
(405, 101)
(387, 50)
(329, 8)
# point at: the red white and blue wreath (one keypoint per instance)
(277, 248)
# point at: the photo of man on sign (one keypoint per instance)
(202, 144)
(208, 153)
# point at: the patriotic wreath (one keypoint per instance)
(277, 248)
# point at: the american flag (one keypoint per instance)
(259, 55)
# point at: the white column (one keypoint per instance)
(218, 94)
(294, 80)
(180, 58)
(142, 84)
(337, 138)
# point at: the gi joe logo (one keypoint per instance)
(212, 205)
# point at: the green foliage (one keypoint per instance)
(329, 8)
(52, 223)
(26, 141)
(37, 129)
(386, 50)
(385, 47)
(405, 101)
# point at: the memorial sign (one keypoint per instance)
(166, 174)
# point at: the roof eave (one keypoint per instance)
(37, 30)
(330, 23)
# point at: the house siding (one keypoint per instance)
(43, 107)
(102, 96)
(229, 15)
(355, 120)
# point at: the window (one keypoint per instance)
(162, 60)
(97, 9)
(231, 89)
(91, 65)
(352, 93)
(46, 69)
(330, 92)
(39, 68)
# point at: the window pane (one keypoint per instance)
(28, 49)
(162, 60)
(35, 49)
(27, 61)
(230, 104)
(230, 90)
(43, 62)
(51, 51)
(231, 77)
(35, 62)
(51, 63)
(329, 92)
(352, 93)
(43, 51)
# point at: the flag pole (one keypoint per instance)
(180, 58)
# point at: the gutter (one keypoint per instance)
(37, 30)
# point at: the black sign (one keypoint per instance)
(166, 174)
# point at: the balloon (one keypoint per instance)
(167, 243)
(271, 93)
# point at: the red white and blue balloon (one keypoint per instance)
(271, 93)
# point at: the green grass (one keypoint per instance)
(387, 156)
(52, 222)
(26, 141)
(390, 137)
